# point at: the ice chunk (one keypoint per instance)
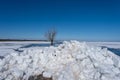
(71, 60)
(47, 74)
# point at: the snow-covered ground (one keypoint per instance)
(69, 61)
(115, 45)
(112, 46)
(10, 47)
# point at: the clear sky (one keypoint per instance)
(73, 19)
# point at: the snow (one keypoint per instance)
(106, 44)
(71, 60)
(10, 47)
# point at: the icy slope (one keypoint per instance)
(69, 61)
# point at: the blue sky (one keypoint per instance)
(97, 20)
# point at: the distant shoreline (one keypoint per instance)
(3, 40)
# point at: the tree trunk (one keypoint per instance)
(51, 42)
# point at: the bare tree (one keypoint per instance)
(50, 35)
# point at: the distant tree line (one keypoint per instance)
(20, 40)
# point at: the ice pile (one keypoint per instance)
(69, 61)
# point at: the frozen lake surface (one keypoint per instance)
(112, 46)
(9, 47)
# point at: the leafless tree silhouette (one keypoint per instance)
(50, 35)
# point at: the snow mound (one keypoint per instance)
(69, 61)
